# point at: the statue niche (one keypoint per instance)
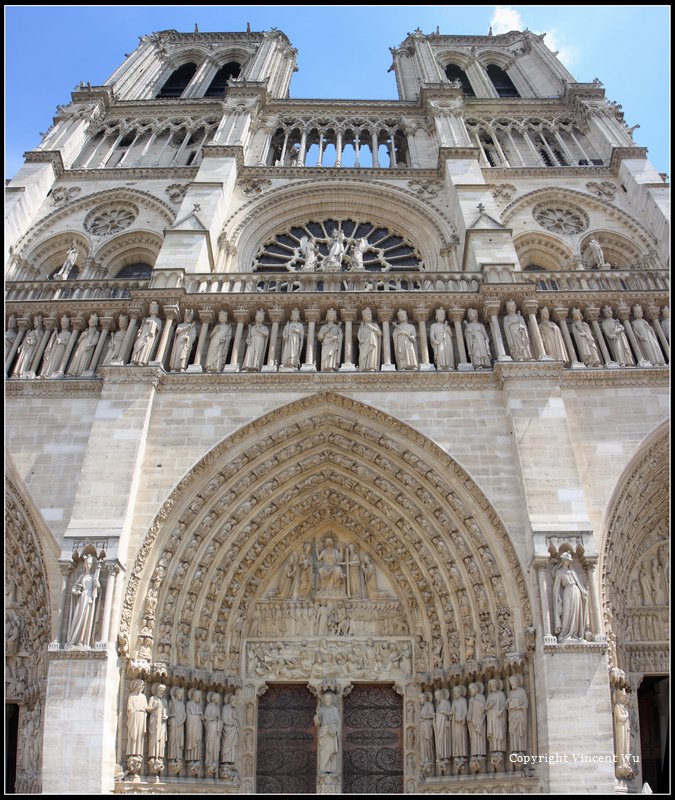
(331, 611)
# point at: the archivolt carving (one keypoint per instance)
(390, 206)
(635, 556)
(296, 475)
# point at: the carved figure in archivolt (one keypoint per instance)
(647, 338)
(517, 705)
(213, 724)
(219, 344)
(570, 602)
(330, 336)
(186, 333)
(369, 337)
(293, 337)
(256, 341)
(495, 707)
(427, 719)
(586, 344)
(147, 338)
(194, 729)
(476, 719)
(477, 341)
(83, 605)
(405, 342)
(230, 735)
(443, 725)
(137, 712)
(328, 723)
(441, 341)
(84, 350)
(552, 337)
(58, 342)
(158, 713)
(617, 339)
(28, 349)
(114, 352)
(176, 724)
(517, 336)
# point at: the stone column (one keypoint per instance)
(593, 600)
(540, 565)
(22, 325)
(530, 309)
(653, 315)
(206, 317)
(50, 326)
(385, 315)
(77, 325)
(348, 316)
(457, 315)
(171, 315)
(421, 315)
(106, 324)
(65, 568)
(111, 570)
(242, 317)
(561, 317)
(623, 312)
(491, 314)
(277, 316)
(592, 315)
(312, 315)
(135, 313)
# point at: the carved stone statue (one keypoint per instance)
(477, 342)
(147, 338)
(353, 573)
(517, 705)
(330, 336)
(646, 337)
(517, 336)
(476, 719)
(369, 337)
(586, 344)
(552, 337)
(58, 342)
(293, 337)
(28, 348)
(336, 250)
(327, 721)
(158, 713)
(214, 726)
(570, 599)
(176, 723)
(427, 719)
(68, 264)
(598, 255)
(617, 339)
(86, 345)
(186, 333)
(114, 353)
(441, 342)
(460, 738)
(358, 249)
(495, 706)
(10, 335)
(230, 731)
(665, 322)
(83, 607)
(288, 584)
(219, 344)
(310, 252)
(369, 577)
(137, 707)
(305, 570)
(330, 575)
(442, 724)
(622, 745)
(256, 341)
(405, 342)
(194, 729)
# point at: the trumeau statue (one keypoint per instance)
(646, 337)
(517, 336)
(441, 341)
(405, 343)
(369, 337)
(517, 705)
(186, 333)
(327, 721)
(617, 339)
(330, 336)
(570, 602)
(477, 342)
(147, 338)
(256, 341)
(552, 337)
(293, 337)
(219, 344)
(586, 344)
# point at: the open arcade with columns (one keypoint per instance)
(337, 433)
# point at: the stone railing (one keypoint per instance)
(599, 280)
(113, 289)
(305, 335)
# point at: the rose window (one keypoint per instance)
(109, 221)
(337, 246)
(566, 221)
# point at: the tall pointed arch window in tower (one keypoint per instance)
(218, 85)
(500, 80)
(337, 246)
(453, 72)
(178, 81)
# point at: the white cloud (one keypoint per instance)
(506, 19)
(565, 54)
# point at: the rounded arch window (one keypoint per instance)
(178, 81)
(501, 81)
(456, 73)
(139, 271)
(218, 85)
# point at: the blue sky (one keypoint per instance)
(343, 52)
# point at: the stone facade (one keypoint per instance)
(332, 414)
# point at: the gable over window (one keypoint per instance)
(178, 81)
(218, 85)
